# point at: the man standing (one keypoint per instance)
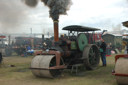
(1, 58)
(103, 52)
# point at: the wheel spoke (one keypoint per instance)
(92, 56)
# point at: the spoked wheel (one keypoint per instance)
(91, 56)
(55, 72)
(40, 66)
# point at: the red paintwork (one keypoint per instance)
(57, 55)
(2, 36)
(119, 74)
(120, 56)
(39, 52)
(97, 36)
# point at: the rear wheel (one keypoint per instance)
(91, 56)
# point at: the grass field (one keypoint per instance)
(20, 74)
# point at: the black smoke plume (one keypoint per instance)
(57, 7)
(31, 3)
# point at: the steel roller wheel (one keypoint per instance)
(91, 56)
(121, 67)
(40, 66)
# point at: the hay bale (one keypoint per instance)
(122, 68)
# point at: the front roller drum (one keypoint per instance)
(121, 71)
(40, 66)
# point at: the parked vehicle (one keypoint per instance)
(78, 48)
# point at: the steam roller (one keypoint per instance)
(121, 69)
(77, 47)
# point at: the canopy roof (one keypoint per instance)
(125, 23)
(79, 28)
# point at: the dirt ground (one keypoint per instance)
(15, 71)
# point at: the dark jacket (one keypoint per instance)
(1, 58)
(103, 46)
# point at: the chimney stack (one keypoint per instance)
(56, 31)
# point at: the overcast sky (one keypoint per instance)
(16, 17)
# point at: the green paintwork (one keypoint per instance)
(73, 45)
(82, 41)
